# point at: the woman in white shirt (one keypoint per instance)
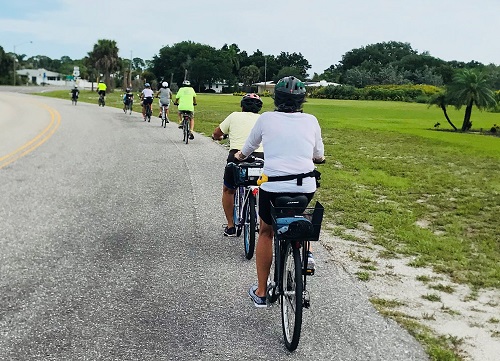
(292, 144)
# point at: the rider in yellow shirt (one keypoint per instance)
(101, 88)
(185, 99)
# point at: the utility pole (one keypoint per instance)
(130, 71)
(15, 59)
(265, 72)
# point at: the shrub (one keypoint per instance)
(406, 93)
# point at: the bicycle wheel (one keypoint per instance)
(249, 227)
(186, 130)
(238, 203)
(291, 296)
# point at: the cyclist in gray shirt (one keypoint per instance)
(165, 96)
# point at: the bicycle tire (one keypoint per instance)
(238, 202)
(186, 130)
(249, 227)
(291, 296)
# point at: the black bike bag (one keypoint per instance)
(299, 177)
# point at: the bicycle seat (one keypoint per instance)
(287, 206)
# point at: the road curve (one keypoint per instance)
(112, 249)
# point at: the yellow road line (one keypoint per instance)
(34, 143)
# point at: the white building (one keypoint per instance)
(217, 86)
(320, 83)
(265, 86)
(41, 76)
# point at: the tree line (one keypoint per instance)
(375, 64)
(361, 71)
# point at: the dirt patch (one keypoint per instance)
(449, 309)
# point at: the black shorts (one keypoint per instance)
(265, 199)
(147, 101)
(228, 175)
(103, 92)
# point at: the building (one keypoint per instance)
(319, 83)
(41, 77)
(265, 86)
(216, 86)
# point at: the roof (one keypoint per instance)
(264, 83)
(37, 72)
(320, 83)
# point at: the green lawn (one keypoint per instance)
(388, 167)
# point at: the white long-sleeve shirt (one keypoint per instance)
(290, 141)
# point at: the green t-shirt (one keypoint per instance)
(185, 97)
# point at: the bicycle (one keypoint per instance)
(245, 213)
(101, 100)
(128, 106)
(148, 113)
(164, 119)
(294, 225)
(74, 99)
(186, 124)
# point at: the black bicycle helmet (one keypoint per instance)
(289, 94)
(251, 103)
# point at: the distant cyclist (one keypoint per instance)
(147, 99)
(165, 96)
(292, 143)
(185, 99)
(128, 98)
(237, 125)
(74, 93)
(101, 88)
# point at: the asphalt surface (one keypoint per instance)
(111, 248)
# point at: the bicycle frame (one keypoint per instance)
(248, 191)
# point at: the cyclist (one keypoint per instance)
(147, 99)
(237, 125)
(292, 143)
(128, 98)
(185, 99)
(75, 92)
(165, 96)
(101, 88)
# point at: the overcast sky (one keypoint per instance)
(321, 30)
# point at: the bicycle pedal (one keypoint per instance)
(309, 272)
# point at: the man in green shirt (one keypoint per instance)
(185, 99)
(101, 88)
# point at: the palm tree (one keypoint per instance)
(105, 58)
(441, 101)
(469, 88)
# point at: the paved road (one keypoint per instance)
(112, 249)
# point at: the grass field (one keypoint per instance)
(433, 195)
(426, 193)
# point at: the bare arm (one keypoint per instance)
(217, 134)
